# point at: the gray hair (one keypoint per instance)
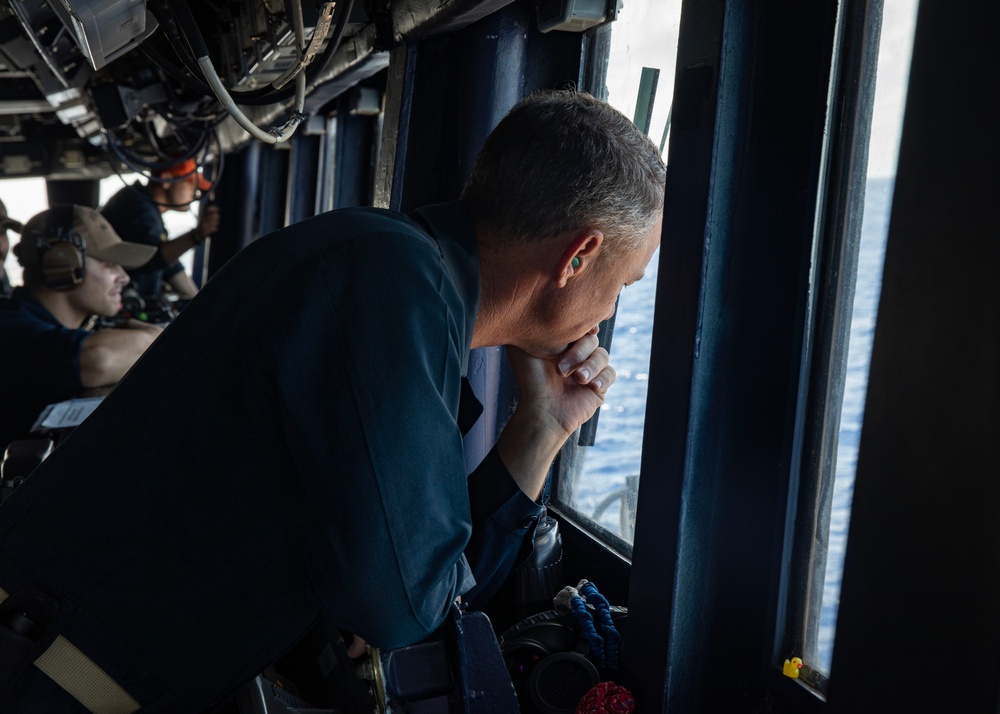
(563, 160)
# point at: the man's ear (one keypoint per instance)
(578, 255)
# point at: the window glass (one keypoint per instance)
(26, 197)
(895, 46)
(599, 482)
(23, 198)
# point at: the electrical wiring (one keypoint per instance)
(163, 161)
(204, 113)
(145, 170)
(267, 95)
(174, 20)
(199, 150)
(305, 53)
(192, 34)
(160, 60)
(272, 136)
(181, 53)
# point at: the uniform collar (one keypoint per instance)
(451, 228)
(22, 299)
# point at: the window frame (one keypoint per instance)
(702, 560)
(839, 222)
(709, 584)
(568, 470)
(926, 493)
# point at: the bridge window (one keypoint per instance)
(23, 198)
(812, 632)
(599, 480)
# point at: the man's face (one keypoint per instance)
(181, 193)
(570, 312)
(101, 290)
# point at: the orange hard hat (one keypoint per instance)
(187, 168)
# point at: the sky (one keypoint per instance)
(645, 35)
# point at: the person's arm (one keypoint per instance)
(108, 354)
(183, 285)
(503, 528)
(504, 487)
(556, 397)
(208, 223)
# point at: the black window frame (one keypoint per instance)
(739, 380)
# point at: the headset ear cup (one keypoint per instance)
(63, 266)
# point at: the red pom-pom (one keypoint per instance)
(606, 698)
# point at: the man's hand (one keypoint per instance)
(357, 648)
(556, 397)
(208, 221)
(568, 390)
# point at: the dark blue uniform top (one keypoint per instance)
(303, 455)
(136, 218)
(39, 363)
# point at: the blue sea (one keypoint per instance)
(617, 452)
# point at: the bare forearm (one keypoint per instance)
(183, 284)
(527, 448)
(554, 402)
(208, 223)
(173, 249)
(107, 355)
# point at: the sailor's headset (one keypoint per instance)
(61, 249)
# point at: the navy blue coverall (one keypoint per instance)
(39, 363)
(299, 454)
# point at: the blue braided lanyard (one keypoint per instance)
(603, 650)
(612, 638)
(587, 629)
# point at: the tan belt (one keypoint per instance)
(82, 678)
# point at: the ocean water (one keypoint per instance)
(874, 228)
(599, 490)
